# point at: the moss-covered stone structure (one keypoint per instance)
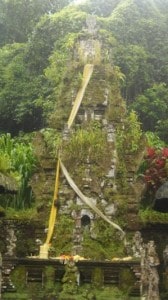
(102, 152)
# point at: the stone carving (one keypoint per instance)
(165, 257)
(71, 277)
(152, 256)
(149, 273)
(137, 244)
(165, 273)
(11, 241)
(144, 275)
(153, 290)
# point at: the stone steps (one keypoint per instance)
(34, 275)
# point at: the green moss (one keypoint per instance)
(52, 140)
(93, 250)
(67, 296)
(50, 289)
(93, 59)
(97, 277)
(106, 244)
(25, 247)
(22, 215)
(153, 217)
(14, 296)
(130, 137)
(49, 277)
(2, 212)
(90, 141)
(18, 277)
(87, 144)
(88, 292)
(65, 74)
(62, 239)
(114, 113)
(111, 293)
(126, 280)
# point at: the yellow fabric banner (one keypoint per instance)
(53, 212)
(87, 72)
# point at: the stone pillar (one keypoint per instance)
(49, 279)
(149, 273)
(71, 279)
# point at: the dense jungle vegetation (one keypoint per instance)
(36, 37)
(31, 32)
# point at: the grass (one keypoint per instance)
(24, 214)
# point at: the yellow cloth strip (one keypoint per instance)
(87, 72)
(53, 211)
(87, 200)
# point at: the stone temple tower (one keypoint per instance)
(89, 150)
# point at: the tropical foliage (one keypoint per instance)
(129, 135)
(36, 65)
(156, 167)
(37, 39)
(90, 142)
(17, 160)
(18, 17)
(152, 108)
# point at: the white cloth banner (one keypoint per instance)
(86, 200)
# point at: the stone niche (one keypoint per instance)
(161, 199)
(96, 112)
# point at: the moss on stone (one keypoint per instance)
(15, 296)
(87, 144)
(149, 216)
(23, 215)
(111, 293)
(50, 289)
(126, 280)
(97, 278)
(62, 239)
(106, 243)
(2, 212)
(18, 278)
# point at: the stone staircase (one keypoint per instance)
(34, 274)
